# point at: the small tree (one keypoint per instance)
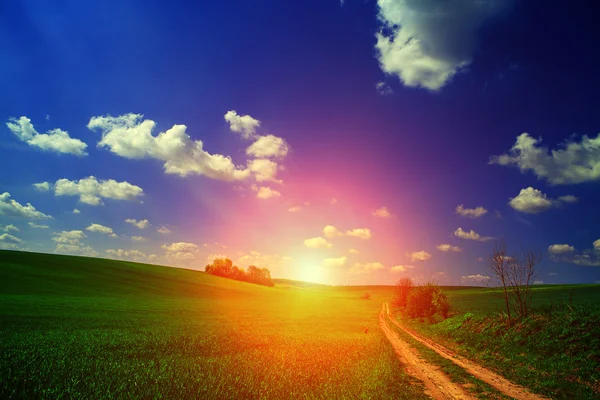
(403, 289)
(426, 300)
(499, 263)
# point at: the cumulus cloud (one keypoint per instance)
(263, 170)
(382, 212)
(471, 235)
(9, 228)
(294, 209)
(38, 226)
(447, 247)
(101, 229)
(12, 208)
(331, 231)
(163, 230)
(268, 146)
(131, 137)
(560, 249)
(419, 256)
(366, 268)
(317, 243)
(55, 140)
(265, 192)
(142, 224)
(425, 43)
(597, 244)
(242, 124)
(475, 279)
(91, 190)
(353, 251)
(334, 262)
(42, 186)
(400, 268)
(571, 162)
(76, 211)
(8, 238)
(69, 242)
(533, 201)
(362, 233)
(131, 255)
(180, 252)
(139, 238)
(470, 212)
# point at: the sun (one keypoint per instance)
(310, 270)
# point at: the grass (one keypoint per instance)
(73, 327)
(555, 351)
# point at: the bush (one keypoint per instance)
(426, 300)
(366, 296)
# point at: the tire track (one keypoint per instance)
(437, 384)
(491, 378)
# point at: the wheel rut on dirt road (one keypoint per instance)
(498, 382)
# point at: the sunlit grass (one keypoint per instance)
(84, 328)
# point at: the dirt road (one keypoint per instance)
(437, 383)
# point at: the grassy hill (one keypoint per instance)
(76, 327)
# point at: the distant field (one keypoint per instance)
(89, 328)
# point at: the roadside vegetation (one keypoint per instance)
(554, 350)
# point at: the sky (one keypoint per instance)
(352, 142)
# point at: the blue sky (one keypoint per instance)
(245, 130)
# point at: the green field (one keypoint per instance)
(73, 327)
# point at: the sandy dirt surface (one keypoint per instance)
(491, 378)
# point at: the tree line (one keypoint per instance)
(224, 267)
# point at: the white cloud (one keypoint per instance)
(8, 238)
(597, 244)
(400, 268)
(11, 208)
(38, 226)
(142, 224)
(419, 256)
(382, 212)
(353, 251)
(180, 252)
(333, 262)
(139, 238)
(243, 124)
(42, 186)
(383, 89)
(362, 269)
(180, 247)
(265, 192)
(131, 137)
(425, 43)
(362, 233)
(531, 201)
(131, 255)
(55, 140)
(263, 170)
(268, 146)
(572, 162)
(92, 191)
(294, 209)
(69, 242)
(470, 212)
(475, 279)
(471, 235)
(447, 247)
(76, 211)
(9, 228)
(101, 229)
(331, 231)
(317, 243)
(560, 249)
(163, 230)
(568, 199)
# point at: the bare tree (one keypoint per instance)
(499, 263)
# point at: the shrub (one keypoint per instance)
(366, 296)
(426, 300)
